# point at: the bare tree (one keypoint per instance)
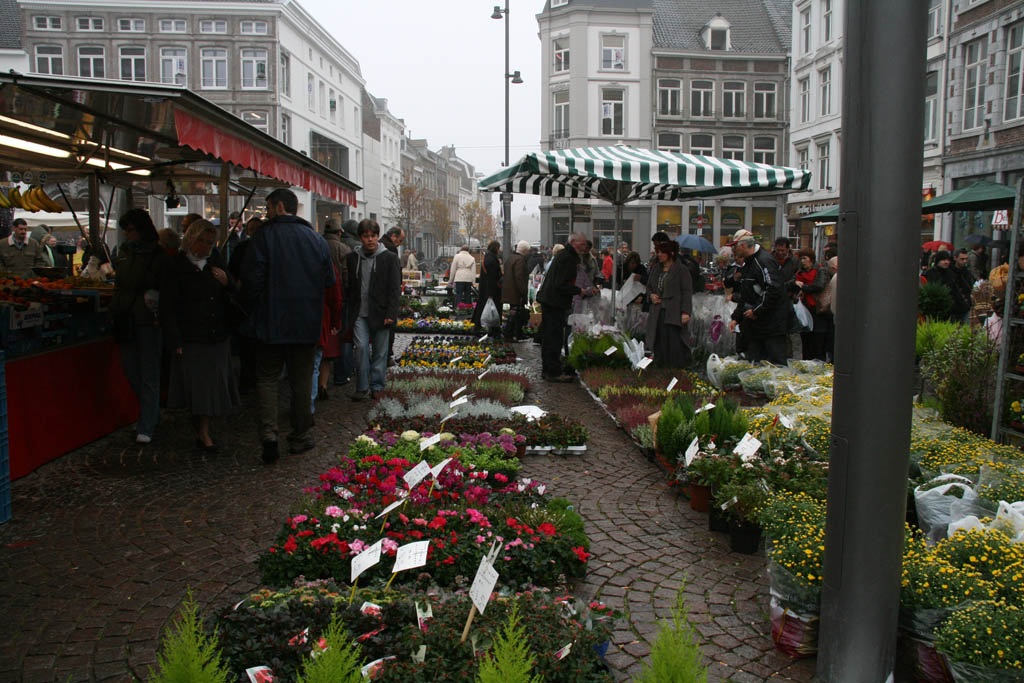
(440, 217)
(408, 205)
(478, 221)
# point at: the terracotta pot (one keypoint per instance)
(700, 497)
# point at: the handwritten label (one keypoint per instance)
(436, 470)
(416, 474)
(610, 350)
(691, 451)
(483, 584)
(410, 556)
(644, 362)
(729, 503)
(458, 402)
(455, 360)
(672, 384)
(747, 447)
(366, 559)
(447, 417)
(706, 406)
(391, 507)
(458, 391)
(430, 441)
(481, 375)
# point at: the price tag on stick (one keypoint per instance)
(483, 585)
(706, 406)
(458, 391)
(366, 559)
(410, 556)
(439, 467)
(692, 450)
(391, 507)
(644, 362)
(430, 441)
(672, 384)
(610, 350)
(747, 447)
(455, 360)
(416, 474)
(458, 402)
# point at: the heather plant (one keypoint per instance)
(963, 372)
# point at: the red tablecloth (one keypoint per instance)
(64, 399)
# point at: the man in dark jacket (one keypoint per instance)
(371, 300)
(788, 264)
(956, 280)
(555, 297)
(393, 240)
(763, 308)
(343, 365)
(514, 292)
(286, 270)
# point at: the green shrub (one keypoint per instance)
(934, 301)
(338, 662)
(187, 654)
(587, 351)
(510, 660)
(675, 654)
(963, 372)
(676, 411)
(933, 334)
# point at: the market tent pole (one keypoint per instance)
(1008, 305)
(883, 117)
(615, 273)
(94, 215)
(225, 179)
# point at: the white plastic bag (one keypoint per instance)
(804, 316)
(490, 317)
(713, 364)
(934, 505)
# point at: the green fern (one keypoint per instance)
(187, 655)
(675, 654)
(339, 663)
(511, 660)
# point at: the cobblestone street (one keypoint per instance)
(105, 541)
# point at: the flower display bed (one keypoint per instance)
(434, 325)
(455, 352)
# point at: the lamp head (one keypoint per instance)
(497, 12)
(516, 78)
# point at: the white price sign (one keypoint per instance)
(416, 474)
(366, 559)
(410, 556)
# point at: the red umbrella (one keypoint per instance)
(937, 245)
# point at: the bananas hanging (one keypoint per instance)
(34, 199)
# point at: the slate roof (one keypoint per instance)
(605, 4)
(756, 26)
(10, 25)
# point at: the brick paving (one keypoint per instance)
(105, 541)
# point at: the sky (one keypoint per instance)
(440, 64)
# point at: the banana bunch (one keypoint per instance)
(34, 199)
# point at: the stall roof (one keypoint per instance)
(121, 128)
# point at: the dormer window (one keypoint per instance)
(716, 34)
(558, 3)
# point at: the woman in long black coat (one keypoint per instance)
(490, 286)
(671, 296)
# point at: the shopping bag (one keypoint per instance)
(490, 317)
(804, 316)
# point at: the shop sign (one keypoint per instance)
(1001, 219)
(32, 317)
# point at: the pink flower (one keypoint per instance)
(480, 539)
(298, 519)
(357, 546)
(500, 478)
(390, 546)
(419, 521)
(333, 511)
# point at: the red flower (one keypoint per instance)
(581, 554)
(448, 560)
(290, 546)
(548, 529)
(437, 522)
(307, 532)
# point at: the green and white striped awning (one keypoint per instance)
(621, 174)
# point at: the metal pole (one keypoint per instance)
(225, 179)
(1004, 343)
(615, 245)
(883, 101)
(506, 197)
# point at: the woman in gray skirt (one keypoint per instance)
(194, 303)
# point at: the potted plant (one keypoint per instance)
(982, 642)
(742, 504)
(703, 471)
(1017, 414)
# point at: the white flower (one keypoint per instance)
(365, 439)
(410, 435)
(334, 528)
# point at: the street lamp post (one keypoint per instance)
(506, 197)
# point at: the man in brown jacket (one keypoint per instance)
(343, 365)
(19, 253)
(514, 292)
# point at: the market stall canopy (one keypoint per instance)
(980, 196)
(132, 131)
(824, 215)
(621, 174)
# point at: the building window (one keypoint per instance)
(719, 39)
(702, 98)
(50, 60)
(804, 159)
(1014, 82)
(823, 179)
(975, 57)
(613, 52)
(669, 94)
(89, 23)
(561, 49)
(91, 62)
(323, 99)
(560, 125)
(612, 102)
(702, 144)
(214, 63)
(133, 63)
(285, 134)
(332, 105)
(256, 119)
(670, 142)
(931, 106)
(254, 28)
(764, 101)
(284, 78)
(310, 92)
(174, 65)
(805, 31)
(47, 23)
(825, 89)
(173, 26)
(805, 100)
(254, 69)
(559, 3)
(826, 20)
(733, 96)
(213, 26)
(764, 150)
(131, 25)
(732, 147)
(935, 18)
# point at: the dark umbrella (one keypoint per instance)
(697, 243)
(977, 239)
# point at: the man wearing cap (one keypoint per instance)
(762, 310)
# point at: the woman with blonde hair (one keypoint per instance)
(195, 299)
